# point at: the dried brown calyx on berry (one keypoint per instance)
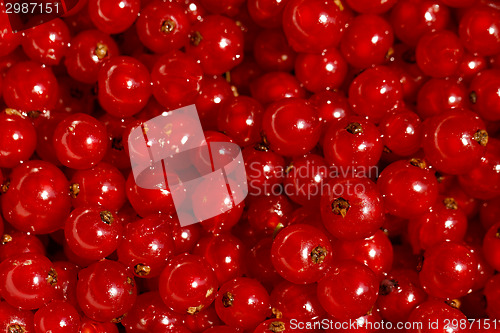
(340, 206)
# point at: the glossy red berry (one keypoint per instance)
(9, 40)
(448, 270)
(57, 317)
(48, 42)
(215, 91)
(408, 188)
(12, 319)
(318, 72)
(27, 281)
(149, 311)
(291, 127)
(217, 43)
(176, 80)
(301, 254)
(259, 263)
(483, 182)
(188, 284)
(113, 16)
(491, 245)
(312, 26)
(349, 290)
(225, 253)
(67, 276)
(444, 222)
(439, 54)
(105, 290)
(437, 96)
(375, 252)
(228, 7)
(492, 296)
(267, 212)
(242, 303)
(146, 247)
(272, 52)
(352, 145)
(375, 93)
(88, 51)
(367, 41)
(274, 86)
(266, 13)
(352, 208)
(484, 94)
(440, 313)
(163, 26)
(399, 293)
(37, 198)
(455, 141)
(290, 300)
(402, 132)
(479, 30)
(17, 139)
(80, 141)
(29, 86)
(124, 86)
(103, 185)
(411, 19)
(93, 232)
(16, 242)
(368, 6)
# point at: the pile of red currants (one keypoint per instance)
(370, 131)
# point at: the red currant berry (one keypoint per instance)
(352, 145)
(291, 127)
(214, 92)
(439, 54)
(242, 303)
(305, 178)
(375, 93)
(27, 281)
(351, 208)
(402, 132)
(266, 13)
(289, 300)
(67, 276)
(399, 294)
(37, 198)
(163, 26)
(349, 290)
(80, 141)
(13, 319)
(491, 246)
(275, 86)
(105, 290)
(301, 254)
(9, 40)
(455, 141)
(444, 222)
(439, 313)
(411, 19)
(188, 284)
(88, 51)
(48, 42)
(260, 266)
(272, 52)
(16, 242)
(57, 317)
(479, 30)
(408, 188)
(217, 43)
(375, 252)
(484, 94)
(267, 212)
(176, 80)
(92, 232)
(367, 41)
(318, 72)
(113, 16)
(488, 212)
(91, 326)
(225, 253)
(146, 246)
(29, 86)
(17, 139)
(368, 6)
(440, 95)
(492, 295)
(471, 65)
(124, 86)
(103, 185)
(312, 26)
(448, 271)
